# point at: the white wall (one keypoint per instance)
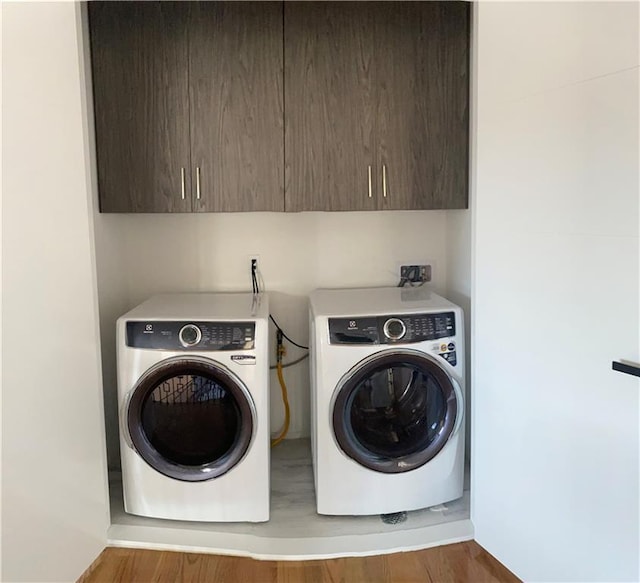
(458, 290)
(141, 255)
(459, 238)
(556, 291)
(54, 493)
(113, 302)
(111, 273)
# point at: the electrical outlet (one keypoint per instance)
(415, 273)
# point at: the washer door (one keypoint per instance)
(394, 411)
(190, 419)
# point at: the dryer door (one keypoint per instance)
(394, 411)
(190, 419)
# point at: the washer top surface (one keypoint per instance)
(202, 306)
(376, 301)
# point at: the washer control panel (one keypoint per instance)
(392, 329)
(202, 336)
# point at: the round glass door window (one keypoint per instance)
(395, 412)
(190, 419)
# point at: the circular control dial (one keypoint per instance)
(190, 335)
(394, 329)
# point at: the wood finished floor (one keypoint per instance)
(458, 563)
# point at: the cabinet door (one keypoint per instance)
(422, 66)
(235, 69)
(141, 99)
(329, 96)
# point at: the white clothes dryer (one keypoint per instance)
(193, 389)
(387, 376)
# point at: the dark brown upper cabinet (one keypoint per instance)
(141, 98)
(330, 115)
(377, 100)
(188, 103)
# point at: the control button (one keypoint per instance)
(394, 329)
(451, 346)
(190, 335)
(443, 348)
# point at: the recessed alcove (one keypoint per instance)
(294, 531)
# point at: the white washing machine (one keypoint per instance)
(193, 388)
(387, 372)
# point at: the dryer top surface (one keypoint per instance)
(376, 301)
(202, 307)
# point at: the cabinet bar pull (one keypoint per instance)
(384, 180)
(184, 190)
(626, 368)
(369, 181)
(198, 182)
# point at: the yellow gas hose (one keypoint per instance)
(287, 412)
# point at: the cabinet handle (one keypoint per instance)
(184, 190)
(626, 368)
(369, 181)
(384, 181)
(198, 182)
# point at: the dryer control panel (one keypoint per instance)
(199, 336)
(405, 329)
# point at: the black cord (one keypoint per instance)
(282, 331)
(254, 279)
(256, 290)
